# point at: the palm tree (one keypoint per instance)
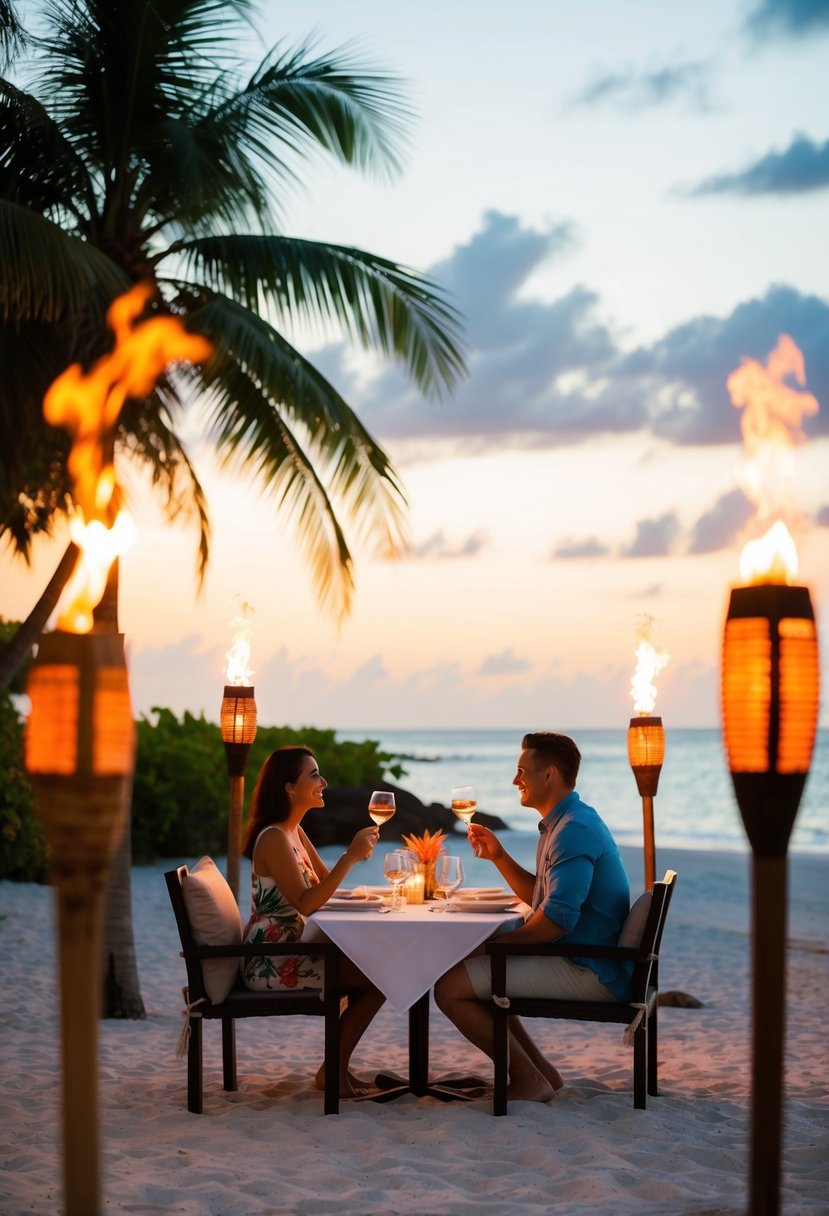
(132, 148)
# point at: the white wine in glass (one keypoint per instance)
(381, 806)
(464, 802)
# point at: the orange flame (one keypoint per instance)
(771, 425)
(649, 663)
(238, 670)
(88, 405)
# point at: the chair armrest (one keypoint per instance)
(566, 950)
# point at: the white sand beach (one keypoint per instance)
(268, 1148)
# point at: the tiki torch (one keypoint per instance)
(770, 694)
(238, 727)
(646, 739)
(770, 685)
(80, 734)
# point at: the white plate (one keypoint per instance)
(356, 893)
(484, 905)
(480, 892)
(351, 905)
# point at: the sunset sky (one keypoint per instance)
(625, 200)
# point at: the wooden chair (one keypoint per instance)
(639, 944)
(242, 1002)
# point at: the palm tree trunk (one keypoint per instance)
(121, 991)
(18, 650)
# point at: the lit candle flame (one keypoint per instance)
(88, 405)
(238, 669)
(771, 425)
(649, 663)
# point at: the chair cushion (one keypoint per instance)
(634, 926)
(215, 921)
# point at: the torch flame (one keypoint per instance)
(238, 669)
(771, 425)
(88, 405)
(649, 663)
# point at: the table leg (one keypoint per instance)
(447, 1089)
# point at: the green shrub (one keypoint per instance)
(23, 856)
(180, 799)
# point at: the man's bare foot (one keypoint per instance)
(530, 1089)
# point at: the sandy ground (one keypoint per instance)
(268, 1148)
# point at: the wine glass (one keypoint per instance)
(464, 802)
(448, 874)
(381, 806)
(396, 867)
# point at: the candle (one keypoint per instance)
(414, 887)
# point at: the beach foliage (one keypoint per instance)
(22, 847)
(181, 790)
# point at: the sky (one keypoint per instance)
(624, 201)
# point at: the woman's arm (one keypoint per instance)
(276, 859)
(319, 866)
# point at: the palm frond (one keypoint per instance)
(383, 306)
(46, 274)
(259, 390)
(146, 434)
(39, 168)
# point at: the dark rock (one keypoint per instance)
(346, 811)
(679, 1000)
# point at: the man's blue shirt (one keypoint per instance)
(582, 886)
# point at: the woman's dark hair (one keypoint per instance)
(558, 750)
(270, 803)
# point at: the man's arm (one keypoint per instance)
(537, 930)
(486, 844)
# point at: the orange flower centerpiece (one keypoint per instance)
(426, 849)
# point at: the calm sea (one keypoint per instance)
(694, 807)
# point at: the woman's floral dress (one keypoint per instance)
(273, 919)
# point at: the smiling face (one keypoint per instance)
(539, 783)
(308, 789)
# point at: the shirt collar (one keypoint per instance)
(552, 817)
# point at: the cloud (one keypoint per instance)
(722, 524)
(636, 89)
(549, 373)
(654, 537)
(570, 549)
(682, 377)
(536, 367)
(437, 546)
(505, 663)
(801, 168)
(797, 18)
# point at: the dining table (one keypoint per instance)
(403, 952)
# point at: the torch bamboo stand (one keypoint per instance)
(768, 990)
(234, 831)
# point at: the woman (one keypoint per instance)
(289, 881)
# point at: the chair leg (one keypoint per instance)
(653, 1079)
(500, 1043)
(229, 1053)
(640, 1065)
(194, 1067)
(331, 1101)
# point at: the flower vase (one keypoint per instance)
(427, 869)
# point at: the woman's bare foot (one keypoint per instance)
(530, 1089)
(550, 1072)
(351, 1086)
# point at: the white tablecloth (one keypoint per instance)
(404, 952)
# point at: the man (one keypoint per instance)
(580, 892)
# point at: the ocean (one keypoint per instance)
(694, 807)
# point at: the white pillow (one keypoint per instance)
(215, 921)
(634, 926)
